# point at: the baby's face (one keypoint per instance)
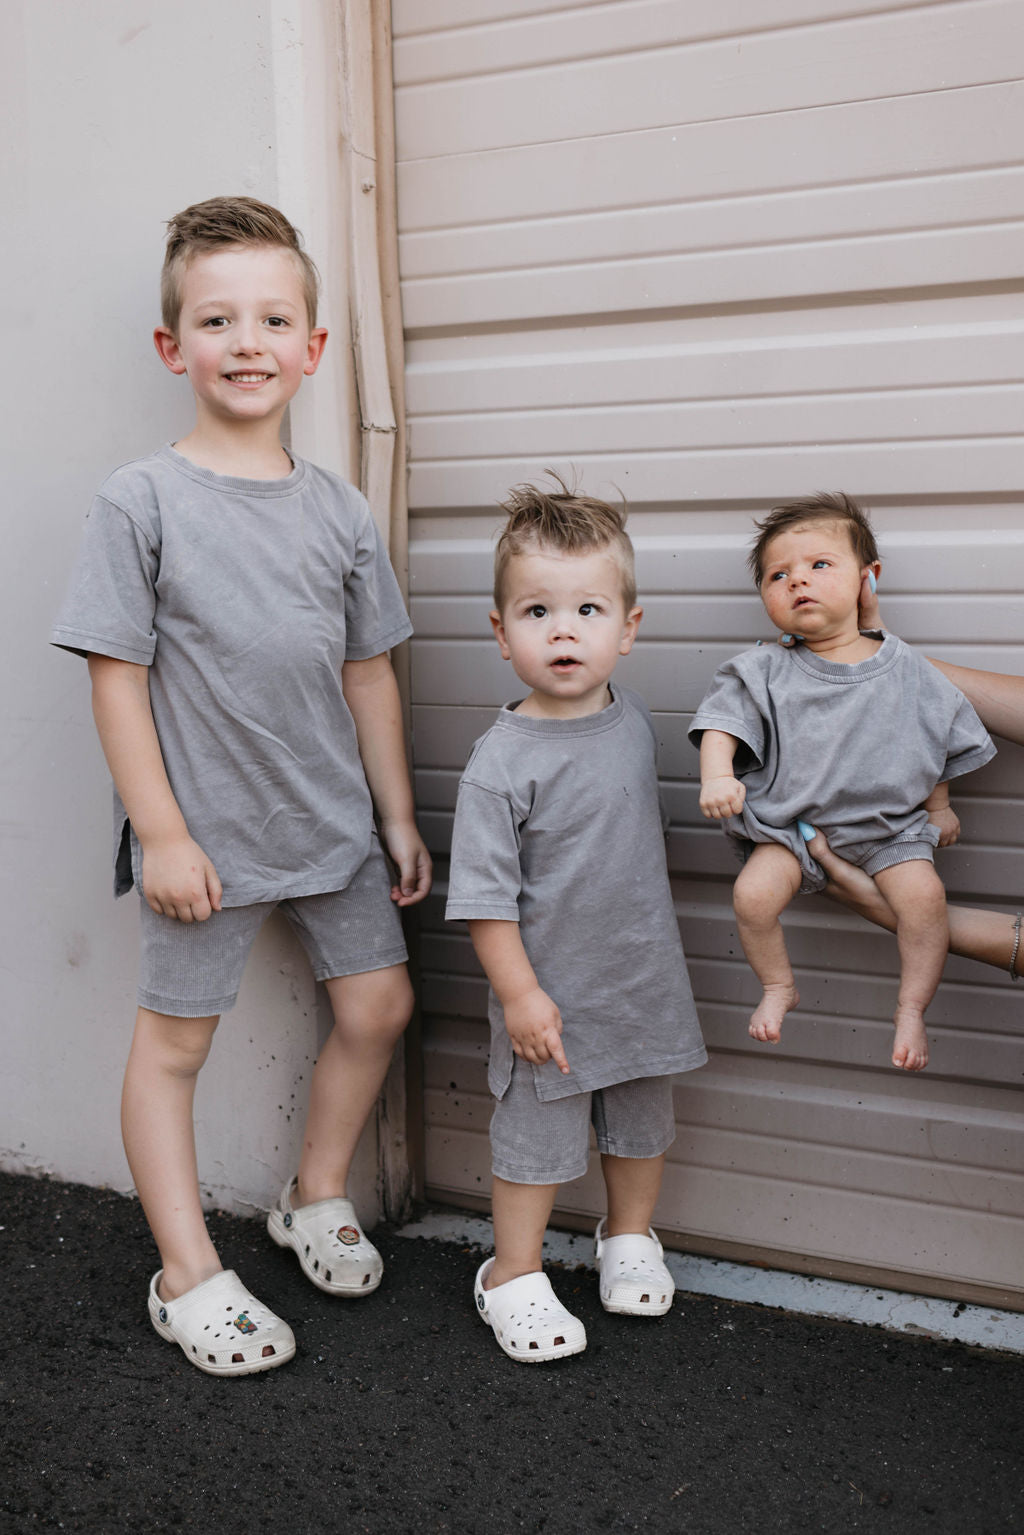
(812, 580)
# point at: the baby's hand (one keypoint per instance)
(179, 881)
(948, 822)
(534, 1026)
(721, 797)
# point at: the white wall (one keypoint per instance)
(118, 115)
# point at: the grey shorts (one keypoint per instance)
(549, 1142)
(194, 969)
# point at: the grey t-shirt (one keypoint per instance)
(558, 828)
(854, 750)
(244, 598)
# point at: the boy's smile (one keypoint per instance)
(563, 627)
(812, 581)
(243, 336)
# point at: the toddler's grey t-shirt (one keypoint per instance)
(558, 827)
(243, 598)
(853, 750)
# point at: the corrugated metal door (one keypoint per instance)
(717, 263)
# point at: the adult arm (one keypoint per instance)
(532, 1019)
(178, 879)
(371, 693)
(998, 698)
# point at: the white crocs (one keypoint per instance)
(330, 1243)
(529, 1321)
(221, 1327)
(634, 1279)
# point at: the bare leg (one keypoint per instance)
(915, 893)
(159, 1140)
(371, 1011)
(767, 883)
(974, 933)
(521, 1215)
(632, 1184)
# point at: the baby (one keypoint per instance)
(846, 732)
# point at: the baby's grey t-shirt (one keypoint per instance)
(853, 750)
(244, 598)
(558, 827)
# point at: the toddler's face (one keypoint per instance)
(812, 580)
(563, 627)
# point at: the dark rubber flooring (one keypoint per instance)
(399, 1412)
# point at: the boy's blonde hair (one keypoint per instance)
(823, 506)
(221, 222)
(566, 522)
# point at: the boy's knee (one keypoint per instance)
(180, 1045)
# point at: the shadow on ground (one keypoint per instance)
(399, 1413)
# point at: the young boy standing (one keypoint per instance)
(844, 732)
(558, 864)
(237, 608)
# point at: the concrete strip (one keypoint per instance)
(948, 1321)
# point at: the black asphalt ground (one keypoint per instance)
(399, 1412)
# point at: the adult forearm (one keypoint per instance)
(997, 697)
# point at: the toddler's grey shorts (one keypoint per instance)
(194, 969)
(549, 1142)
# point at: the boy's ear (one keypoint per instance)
(315, 350)
(632, 624)
(166, 344)
(499, 633)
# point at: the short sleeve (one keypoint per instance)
(111, 598)
(729, 705)
(970, 746)
(485, 879)
(375, 616)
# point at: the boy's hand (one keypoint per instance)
(409, 852)
(721, 797)
(534, 1026)
(179, 881)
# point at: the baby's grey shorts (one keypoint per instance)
(194, 969)
(549, 1142)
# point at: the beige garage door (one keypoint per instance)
(718, 263)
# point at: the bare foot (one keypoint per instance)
(910, 1048)
(766, 1021)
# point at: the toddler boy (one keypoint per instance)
(558, 864)
(237, 608)
(850, 733)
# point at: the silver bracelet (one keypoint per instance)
(1014, 976)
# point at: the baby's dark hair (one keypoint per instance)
(823, 506)
(566, 522)
(221, 222)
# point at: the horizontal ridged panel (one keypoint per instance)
(711, 258)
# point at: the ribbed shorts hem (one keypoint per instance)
(171, 1007)
(363, 964)
(897, 853)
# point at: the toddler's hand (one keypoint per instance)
(534, 1026)
(948, 822)
(179, 881)
(721, 797)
